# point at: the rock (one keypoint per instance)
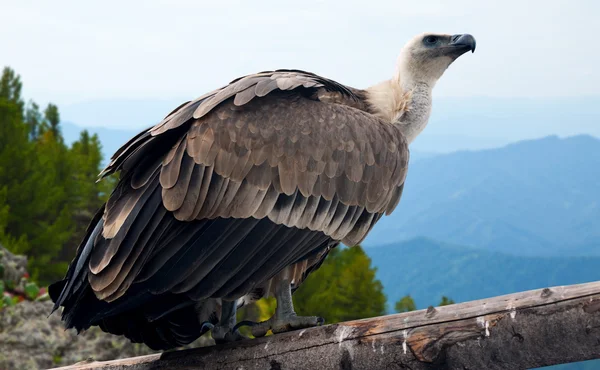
(31, 340)
(12, 267)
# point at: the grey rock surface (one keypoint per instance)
(12, 267)
(30, 340)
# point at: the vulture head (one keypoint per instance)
(406, 98)
(428, 55)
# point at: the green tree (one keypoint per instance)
(54, 206)
(343, 288)
(48, 191)
(10, 88)
(405, 304)
(53, 119)
(34, 120)
(16, 161)
(87, 197)
(446, 301)
(3, 214)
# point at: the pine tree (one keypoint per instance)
(16, 161)
(53, 120)
(48, 191)
(343, 288)
(405, 304)
(34, 120)
(3, 213)
(86, 159)
(10, 88)
(446, 301)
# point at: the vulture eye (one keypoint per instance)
(430, 40)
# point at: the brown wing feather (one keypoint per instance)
(338, 172)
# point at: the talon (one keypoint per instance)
(207, 326)
(225, 331)
(244, 323)
(226, 337)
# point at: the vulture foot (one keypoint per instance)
(282, 324)
(225, 330)
(285, 318)
(222, 334)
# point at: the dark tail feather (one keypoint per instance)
(179, 328)
(77, 273)
(67, 291)
(55, 289)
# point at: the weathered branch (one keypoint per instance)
(523, 330)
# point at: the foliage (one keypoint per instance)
(405, 304)
(343, 288)
(53, 119)
(25, 290)
(48, 191)
(446, 301)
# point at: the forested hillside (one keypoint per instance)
(47, 188)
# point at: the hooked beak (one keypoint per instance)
(463, 42)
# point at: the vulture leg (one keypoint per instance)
(285, 318)
(225, 330)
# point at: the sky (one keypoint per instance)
(76, 51)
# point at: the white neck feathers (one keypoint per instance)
(405, 104)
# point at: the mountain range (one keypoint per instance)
(427, 270)
(536, 197)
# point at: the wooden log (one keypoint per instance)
(516, 331)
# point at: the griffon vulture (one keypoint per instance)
(241, 193)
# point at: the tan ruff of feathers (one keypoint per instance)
(388, 101)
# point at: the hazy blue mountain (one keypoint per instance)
(537, 197)
(111, 139)
(115, 121)
(417, 155)
(475, 123)
(427, 270)
(119, 114)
